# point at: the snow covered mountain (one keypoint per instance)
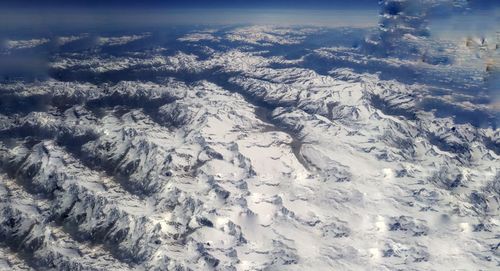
(248, 148)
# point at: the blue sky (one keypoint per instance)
(290, 4)
(124, 13)
(16, 15)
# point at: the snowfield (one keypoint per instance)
(247, 148)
